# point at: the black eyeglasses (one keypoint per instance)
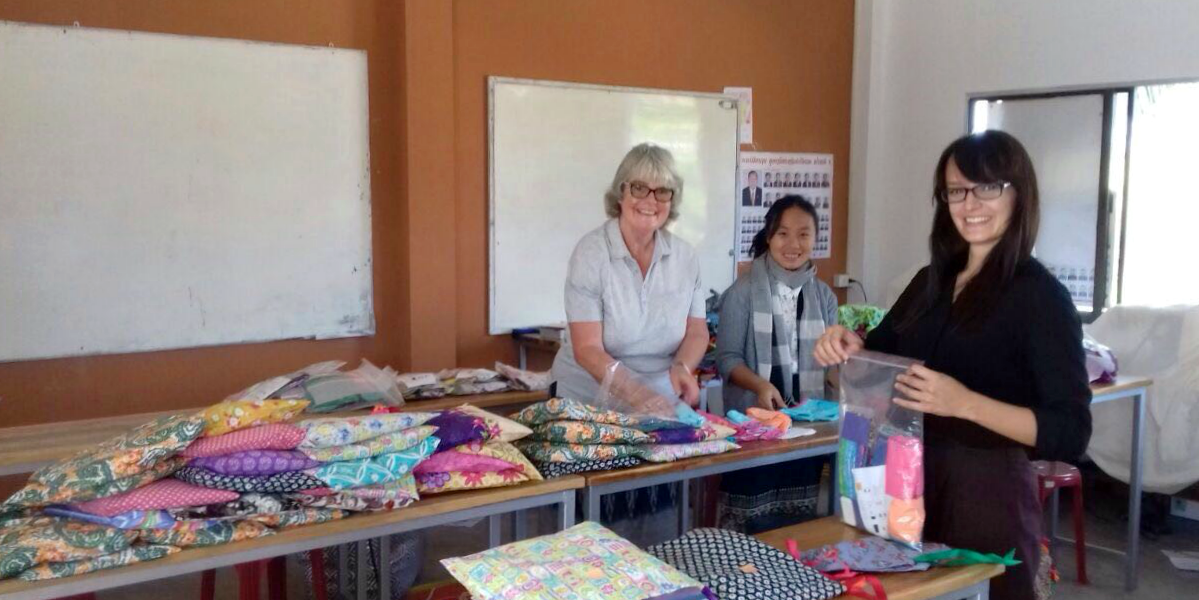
(640, 191)
(982, 191)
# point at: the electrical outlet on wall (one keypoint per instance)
(841, 280)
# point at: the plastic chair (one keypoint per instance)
(1052, 476)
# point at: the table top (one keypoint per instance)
(1123, 383)
(899, 586)
(297, 539)
(26, 448)
(826, 434)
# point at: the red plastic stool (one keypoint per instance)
(249, 578)
(1051, 476)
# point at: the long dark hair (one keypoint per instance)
(986, 157)
(774, 218)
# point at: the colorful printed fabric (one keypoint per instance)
(523, 470)
(248, 505)
(290, 481)
(690, 435)
(214, 534)
(564, 453)
(372, 471)
(550, 470)
(814, 409)
(239, 414)
(84, 486)
(444, 462)
(562, 409)
(327, 433)
(297, 518)
(718, 557)
(398, 489)
(399, 493)
(673, 452)
(384, 444)
(860, 318)
(31, 542)
(867, 555)
(128, 556)
(583, 432)
(165, 493)
(502, 429)
(455, 429)
(584, 562)
(257, 462)
(134, 519)
(276, 436)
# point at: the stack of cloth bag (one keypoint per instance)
(572, 437)
(119, 504)
(462, 382)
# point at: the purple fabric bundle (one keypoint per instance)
(455, 429)
(256, 462)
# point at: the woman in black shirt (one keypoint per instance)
(1004, 374)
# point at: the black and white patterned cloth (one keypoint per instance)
(549, 470)
(279, 483)
(738, 567)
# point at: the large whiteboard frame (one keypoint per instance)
(535, 219)
(164, 191)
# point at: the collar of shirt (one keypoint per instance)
(617, 249)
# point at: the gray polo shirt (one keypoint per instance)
(643, 320)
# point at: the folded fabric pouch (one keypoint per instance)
(256, 462)
(673, 452)
(464, 462)
(503, 429)
(326, 433)
(290, 481)
(584, 432)
(814, 409)
(128, 556)
(399, 493)
(562, 409)
(240, 414)
(770, 418)
(134, 519)
(564, 453)
(28, 543)
(164, 493)
(372, 471)
(866, 555)
(214, 534)
(84, 486)
(585, 561)
(455, 428)
(387, 443)
(522, 470)
(549, 470)
(276, 436)
(736, 566)
(689, 435)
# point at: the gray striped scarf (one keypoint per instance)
(770, 327)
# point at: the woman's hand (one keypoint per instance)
(684, 383)
(769, 397)
(836, 345)
(935, 393)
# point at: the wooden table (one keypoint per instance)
(433, 511)
(941, 583)
(751, 454)
(1136, 388)
(27, 448)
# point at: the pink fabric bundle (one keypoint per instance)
(452, 460)
(277, 436)
(164, 493)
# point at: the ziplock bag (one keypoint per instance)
(345, 390)
(880, 457)
(626, 392)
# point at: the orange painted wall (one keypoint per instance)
(428, 61)
(796, 55)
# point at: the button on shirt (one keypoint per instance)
(644, 320)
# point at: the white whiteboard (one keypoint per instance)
(161, 191)
(554, 148)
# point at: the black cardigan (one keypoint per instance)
(1026, 351)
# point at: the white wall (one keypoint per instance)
(917, 61)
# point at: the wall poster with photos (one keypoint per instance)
(765, 177)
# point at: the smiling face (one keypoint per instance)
(980, 222)
(791, 244)
(646, 214)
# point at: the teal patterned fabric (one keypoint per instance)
(384, 468)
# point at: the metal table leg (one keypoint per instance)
(1134, 492)
(566, 511)
(591, 507)
(385, 568)
(493, 531)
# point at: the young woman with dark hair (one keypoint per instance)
(770, 320)
(1004, 374)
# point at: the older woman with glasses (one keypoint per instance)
(633, 291)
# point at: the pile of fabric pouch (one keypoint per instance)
(116, 504)
(461, 382)
(476, 452)
(573, 437)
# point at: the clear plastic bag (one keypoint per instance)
(286, 386)
(363, 386)
(624, 391)
(880, 459)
